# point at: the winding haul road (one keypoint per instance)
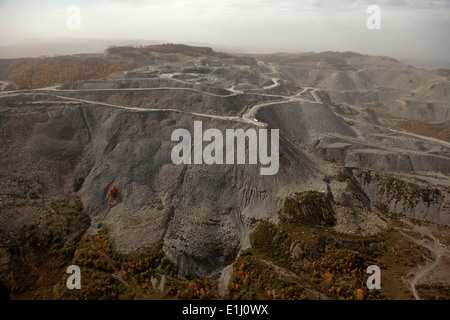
(248, 117)
(435, 246)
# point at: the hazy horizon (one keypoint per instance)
(410, 29)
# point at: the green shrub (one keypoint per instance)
(308, 208)
(77, 184)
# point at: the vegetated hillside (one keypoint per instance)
(437, 130)
(351, 189)
(164, 54)
(443, 72)
(132, 51)
(43, 72)
(4, 66)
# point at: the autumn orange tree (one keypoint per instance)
(112, 193)
(342, 273)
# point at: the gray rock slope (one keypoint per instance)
(116, 132)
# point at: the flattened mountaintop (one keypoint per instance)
(342, 134)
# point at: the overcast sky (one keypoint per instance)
(417, 29)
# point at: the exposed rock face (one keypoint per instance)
(409, 196)
(117, 132)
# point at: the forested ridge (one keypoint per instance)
(43, 72)
(168, 48)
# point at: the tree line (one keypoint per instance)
(43, 72)
(142, 51)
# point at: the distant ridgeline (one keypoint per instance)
(142, 51)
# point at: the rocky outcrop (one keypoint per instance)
(406, 196)
(117, 132)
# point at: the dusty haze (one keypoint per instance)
(409, 29)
